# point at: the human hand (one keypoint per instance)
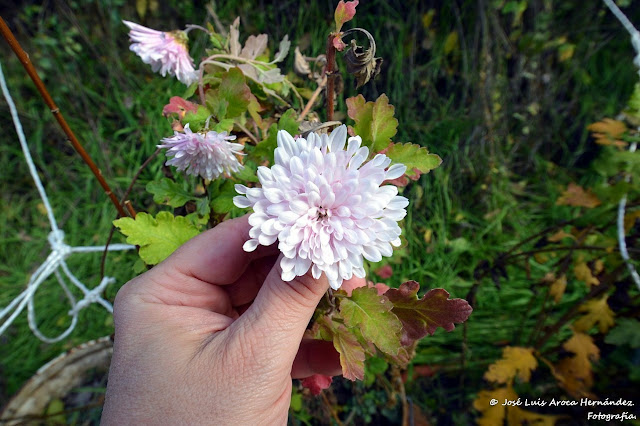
(212, 335)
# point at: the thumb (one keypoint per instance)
(282, 310)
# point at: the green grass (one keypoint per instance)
(497, 185)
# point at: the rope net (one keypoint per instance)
(55, 263)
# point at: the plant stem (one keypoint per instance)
(329, 71)
(28, 66)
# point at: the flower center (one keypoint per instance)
(323, 213)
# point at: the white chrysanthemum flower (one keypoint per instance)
(325, 206)
(166, 52)
(208, 154)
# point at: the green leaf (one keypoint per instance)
(166, 191)
(158, 237)
(366, 310)
(266, 147)
(420, 317)
(231, 98)
(225, 125)
(375, 123)
(372, 368)
(196, 120)
(624, 333)
(414, 157)
(222, 198)
(248, 173)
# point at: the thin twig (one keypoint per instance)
(28, 66)
(248, 132)
(313, 98)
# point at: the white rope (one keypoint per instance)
(56, 259)
(635, 41)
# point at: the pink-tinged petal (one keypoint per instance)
(325, 206)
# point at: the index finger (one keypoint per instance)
(216, 256)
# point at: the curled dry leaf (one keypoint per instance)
(300, 64)
(362, 63)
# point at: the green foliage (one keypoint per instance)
(157, 237)
(414, 157)
(266, 147)
(375, 122)
(625, 333)
(372, 314)
(232, 96)
(166, 191)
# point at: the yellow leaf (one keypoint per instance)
(515, 362)
(541, 257)
(427, 235)
(576, 196)
(608, 132)
(451, 42)
(565, 52)
(575, 374)
(493, 414)
(141, 8)
(558, 287)
(583, 273)
(427, 18)
(559, 236)
(597, 312)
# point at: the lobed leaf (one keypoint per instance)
(157, 237)
(231, 98)
(420, 317)
(371, 313)
(375, 122)
(576, 196)
(515, 362)
(417, 159)
(166, 191)
(344, 13)
(597, 311)
(625, 333)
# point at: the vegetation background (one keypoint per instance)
(502, 90)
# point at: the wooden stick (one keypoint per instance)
(28, 66)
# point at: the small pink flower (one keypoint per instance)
(326, 206)
(166, 52)
(208, 154)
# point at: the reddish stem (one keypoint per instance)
(330, 72)
(28, 66)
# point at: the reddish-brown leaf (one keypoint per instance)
(179, 106)
(420, 317)
(344, 13)
(576, 196)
